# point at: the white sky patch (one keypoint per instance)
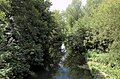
(84, 2)
(62, 4)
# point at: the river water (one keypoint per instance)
(66, 70)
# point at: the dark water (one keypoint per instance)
(63, 73)
(70, 70)
(70, 67)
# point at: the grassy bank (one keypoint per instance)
(102, 67)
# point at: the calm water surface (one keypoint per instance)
(67, 69)
(70, 71)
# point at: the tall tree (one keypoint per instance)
(28, 36)
(72, 14)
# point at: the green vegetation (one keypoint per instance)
(102, 66)
(95, 28)
(31, 36)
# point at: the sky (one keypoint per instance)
(62, 4)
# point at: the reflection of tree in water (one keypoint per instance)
(79, 73)
(78, 68)
(43, 74)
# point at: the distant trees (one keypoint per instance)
(73, 12)
(77, 34)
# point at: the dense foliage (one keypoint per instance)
(107, 25)
(31, 38)
(94, 26)
(31, 35)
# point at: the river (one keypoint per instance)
(68, 68)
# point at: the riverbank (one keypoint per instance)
(101, 70)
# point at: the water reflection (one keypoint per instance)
(69, 68)
(60, 73)
(78, 69)
(79, 73)
(63, 73)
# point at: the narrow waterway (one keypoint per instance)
(68, 69)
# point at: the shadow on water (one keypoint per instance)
(78, 69)
(69, 68)
(72, 66)
(42, 74)
(60, 73)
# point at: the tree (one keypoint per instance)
(105, 22)
(78, 35)
(58, 37)
(72, 14)
(28, 37)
